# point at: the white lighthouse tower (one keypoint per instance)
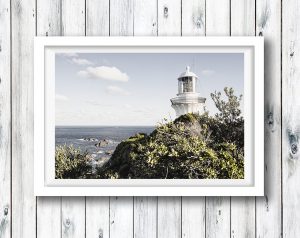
(188, 100)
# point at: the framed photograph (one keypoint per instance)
(149, 116)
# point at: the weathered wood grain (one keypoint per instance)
(23, 14)
(217, 217)
(145, 208)
(193, 208)
(145, 17)
(290, 117)
(242, 18)
(48, 208)
(242, 217)
(121, 217)
(193, 17)
(218, 208)
(5, 120)
(218, 17)
(145, 217)
(73, 209)
(48, 222)
(168, 22)
(121, 17)
(97, 217)
(48, 19)
(97, 17)
(268, 208)
(169, 217)
(193, 217)
(73, 17)
(242, 208)
(169, 17)
(73, 217)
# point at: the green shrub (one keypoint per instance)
(174, 152)
(71, 163)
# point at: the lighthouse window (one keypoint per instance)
(187, 83)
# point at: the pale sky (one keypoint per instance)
(134, 89)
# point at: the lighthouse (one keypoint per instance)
(188, 99)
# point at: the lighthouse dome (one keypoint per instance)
(188, 99)
(187, 73)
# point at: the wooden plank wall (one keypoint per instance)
(274, 215)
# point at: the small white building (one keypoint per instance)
(188, 100)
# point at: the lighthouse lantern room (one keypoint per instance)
(188, 100)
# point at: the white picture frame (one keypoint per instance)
(45, 183)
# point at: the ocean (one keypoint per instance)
(85, 138)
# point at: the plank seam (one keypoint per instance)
(109, 217)
(205, 216)
(133, 216)
(60, 216)
(181, 26)
(281, 114)
(36, 200)
(230, 215)
(230, 17)
(230, 227)
(85, 216)
(85, 16)
(181, 214)
(11, 108)
(156, 17)
(205, 33)
(255, 200)
(205, 202)
(85, 24)
(61, 23)
(133, 11)
(156, 217)
(109, 17)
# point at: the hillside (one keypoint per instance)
(191, 147)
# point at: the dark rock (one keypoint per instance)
(102, 143)
(109, 152)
